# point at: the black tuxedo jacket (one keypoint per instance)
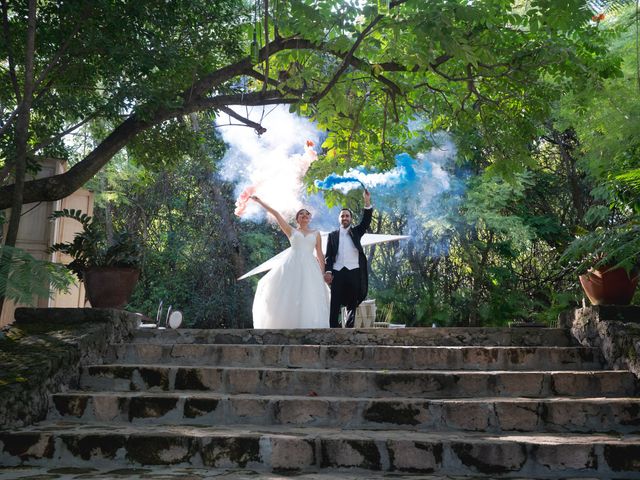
(356, 234)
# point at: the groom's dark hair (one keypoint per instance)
(348, 210)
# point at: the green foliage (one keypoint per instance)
(192, 246)
(90, 247)
(606, 247)
(29, 278)
(487, 260)
(109, 58)
(606, 116)
(166, 145)
(541, 100)
(481, 66)
(487, 205)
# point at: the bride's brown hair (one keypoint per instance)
(300, 211)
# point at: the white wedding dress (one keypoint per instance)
(293, 294)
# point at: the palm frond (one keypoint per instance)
(72, 213)
(89, 247)
(609, 6)
(631, 178)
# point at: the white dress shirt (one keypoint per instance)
(347, 255)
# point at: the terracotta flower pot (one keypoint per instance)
(609, 287)
(110, 287)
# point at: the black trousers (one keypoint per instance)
(345, 290)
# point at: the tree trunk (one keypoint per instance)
(22, 137)
(232, 240)
(566, 142)
(230, 233)
(474, 317)
(108, 220)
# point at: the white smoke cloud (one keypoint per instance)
(274, 162)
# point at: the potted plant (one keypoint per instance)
(108, 267)
(608, 261)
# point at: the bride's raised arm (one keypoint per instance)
(284, 226)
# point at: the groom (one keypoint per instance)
(346, 265)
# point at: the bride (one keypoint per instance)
(293, 294)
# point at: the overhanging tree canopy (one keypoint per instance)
(493, 65)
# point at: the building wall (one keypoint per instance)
(37, 233)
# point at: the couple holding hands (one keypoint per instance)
(303, 292)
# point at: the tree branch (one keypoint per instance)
(16, 200)
(62, 185)
(356, 123)
(384, 124)
(346, 61)
(53, 63)
(64, 133)
(270, 97)
(398, 67)
(274, 83)
(58, 55)
(7, 37)
(266, 45)
(258, 76)
(4, 173)
(256, 126)
(9, 121)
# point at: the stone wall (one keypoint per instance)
(44, 350)
(615, 330)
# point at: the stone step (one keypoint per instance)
(496, 415)
(360, 383)
(539, 455)
(170, 472)
(460, 336)
(360, 356)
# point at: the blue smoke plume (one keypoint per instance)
(339, 182)
(424, 189)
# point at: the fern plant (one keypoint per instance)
(29, 277)
(90, 248)
(606, 248)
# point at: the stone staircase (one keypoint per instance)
(447, 401)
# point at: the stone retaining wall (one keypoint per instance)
(615, 330)
(42, 352)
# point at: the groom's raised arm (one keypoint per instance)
(367, 214)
